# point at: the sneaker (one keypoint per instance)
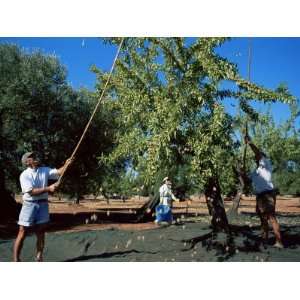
(278, 245)
(39, 259)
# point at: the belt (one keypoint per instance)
(37, 200)
(265, 192)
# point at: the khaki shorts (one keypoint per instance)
(265, 203)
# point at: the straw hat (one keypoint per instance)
(166, 178)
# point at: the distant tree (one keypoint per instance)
(40, 111)
(282, 144)
(86, 175)
(29, 101)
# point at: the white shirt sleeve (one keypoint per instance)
(53, 174)
(26, 183)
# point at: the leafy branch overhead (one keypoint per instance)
(168, 99)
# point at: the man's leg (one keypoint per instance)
(261, 211)
(42, 218)
(40, 242)
(26, 220)
(271, 216)
(264, 227)
(19, 243)
(276, 229)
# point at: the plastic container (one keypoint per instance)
(163, 213)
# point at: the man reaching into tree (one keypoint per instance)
(35, 212)
(261, 179)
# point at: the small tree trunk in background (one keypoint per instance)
(236, 200)
(145, 213)
(215, 205)
(78, 196)
(98, 193)
(9, 208)
(77, 199)
(241, 186)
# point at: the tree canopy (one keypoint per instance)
(171, 118)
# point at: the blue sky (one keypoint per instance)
(274, 60)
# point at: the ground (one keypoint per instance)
(99, 231)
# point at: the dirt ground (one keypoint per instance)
(99, 231)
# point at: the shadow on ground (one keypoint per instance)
(243, 239)
(107, 255)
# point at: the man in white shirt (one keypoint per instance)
(35, 211)
(261, 179)
(165, 201)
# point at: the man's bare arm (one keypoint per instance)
(37, 191)
(256, 151)
(67, 163)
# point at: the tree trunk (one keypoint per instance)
(77, 198)
(241, 188)
(236, 201)
(239, 191)
(146, 211)
(215, 205)
(9, 208)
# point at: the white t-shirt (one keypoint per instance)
(36, 178)
(166, 195)
(262, 176)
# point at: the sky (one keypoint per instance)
(274, 61)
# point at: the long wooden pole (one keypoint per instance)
(249, 78)
(93, 114)
(242, 184)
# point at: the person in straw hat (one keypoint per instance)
(166, 197)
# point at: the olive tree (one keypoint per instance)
(40, 111)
